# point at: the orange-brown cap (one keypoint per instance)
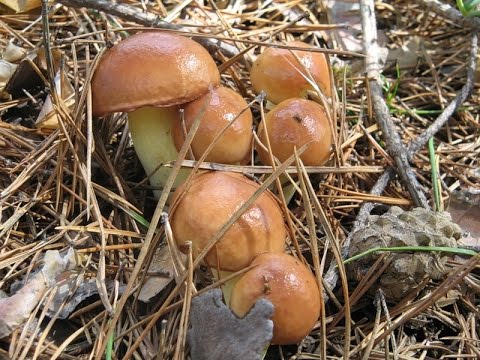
(152, 69)
(292, 289)
(221, 106)
(278, 72)
(294, 123)
(211, 199)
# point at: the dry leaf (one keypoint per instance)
(217, 334)
(450, 298)
(346, 12)
(48, 118)
(161, 262)
(25, 77)
(73, 288)
(16, 309)
(21, 5)
(407, 56)
(13, 53)
(6, 71)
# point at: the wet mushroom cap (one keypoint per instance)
(152, 69)
(279, 73)
(209, 202)
(294, 123)
(292, 289)
(221, 106)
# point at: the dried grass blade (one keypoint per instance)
(148, 239)
(304, 179)
(338, 258)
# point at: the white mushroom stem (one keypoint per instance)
(151, 131)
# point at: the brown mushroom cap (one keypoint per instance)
(222, 105)
(152, 69)
(289, 286)
(278, 72)
(211, 199)
(294, 123)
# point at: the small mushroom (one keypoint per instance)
(208, 203)
(281, 76)
(221, 106)
(148, 75)
(292, 124)
(292, 289)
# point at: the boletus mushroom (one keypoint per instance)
(283, 73)
(220, 107)
(292, 289)
(203, 208)
(148, 75)
(292, 124)
(206, 203)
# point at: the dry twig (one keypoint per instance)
(414, 146)
(145, 18)
(394, 144)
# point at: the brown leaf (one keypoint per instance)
(21, 5)
(16, 309)
(217, 332)
(162, 262)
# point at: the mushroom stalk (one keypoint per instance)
(227, 287)
(151, 132)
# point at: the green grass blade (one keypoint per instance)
(434, 166)
(137, 217)
(451, 250)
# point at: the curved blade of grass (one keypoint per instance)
(434, 166)
(138, 218)
(460, 251)
(109, 348)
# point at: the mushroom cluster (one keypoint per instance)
(173, 83)
(203, 206)
(286, 76)
(166, 81)
(154, 76)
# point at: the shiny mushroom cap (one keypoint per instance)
(209, 202)
(289, 286)
(294, 123)
(278, 72)
(152, 69)
(221, 106)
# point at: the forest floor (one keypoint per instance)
(71, 184)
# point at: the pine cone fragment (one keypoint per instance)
(418, 227)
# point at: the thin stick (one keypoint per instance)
(131, 13)
(452, 14)
(265, 169)
(331, 276)
(395, 147)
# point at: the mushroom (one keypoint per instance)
(292, 289)
(292, 124)
(148, 75)
(281, 76)
(211, 198)
(222, 106)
